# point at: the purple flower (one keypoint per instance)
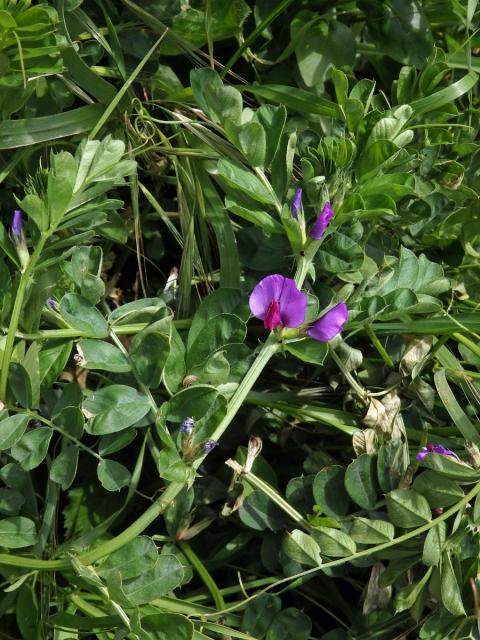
(435, 448)
(187, 425)
(321, 223)
(17, 224)
(296, 203)
(52, 304)
(209, 445)
(330, 324)
(278, 302)
(438, 510)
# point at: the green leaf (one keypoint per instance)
(366, 531)
(329, 491)
(360, 481)
(221, 103)
(32, 448)
(302, 548)
(298, 99)
(175, 370)
(115, 408)
(308, 350)
(219, 331)
(80, 314)
(290, 623)
(334, 542)
(444, 96)
(21, 133)
(12, 429)
(407, 596)
(17, 532)
(97, 354)
(323, 45)
(466, 428)
(115, 441)
(340, 254)
(238, 177)
(399, 30)
(250, 138)
(450, 590)
(223, 300)
(433, 545)
(450, 468)
(149, 351)
(113, 476)
(11, 502)
(134, 558)
(260, 613)
(164, 577)
(259, 512)
(226, 241)
(166, 626)
(438, 490)
(64, 467)
(52, 360)
(86, 267)
(194, 401)
(257, 217)
(407, 508)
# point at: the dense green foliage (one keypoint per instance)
(154, 150)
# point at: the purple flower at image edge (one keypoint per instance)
(322, 222)
(277, 301)
(17, 223)
(435, 448)
(330, 324)
(296, 203)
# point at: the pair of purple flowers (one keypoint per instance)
(279, 303)
(321, 223)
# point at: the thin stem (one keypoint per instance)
(274, 496)
(204, 575)
(65, 434)
(379, 346)
(361, 392)
(15, 318)
(269, 348)
(360, 554)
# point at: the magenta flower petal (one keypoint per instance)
(293, 305)
(421, 455)
(296, 203)
(330, 324)
(266, 290)
(321, 223)
(276, 300)
(435, 448)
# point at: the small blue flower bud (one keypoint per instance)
(209, 445)
(187, 425)
(52, 304)
(17, 224)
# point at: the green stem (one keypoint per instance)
(474, 348)
(17, 310)
(361, 392)
(379, 346)
(204, 575)
(363, 553)
(274, 496)
(269, 348)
